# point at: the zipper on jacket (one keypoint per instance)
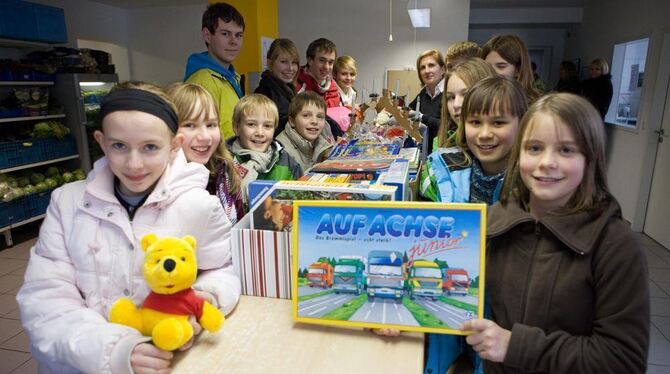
(529, 272)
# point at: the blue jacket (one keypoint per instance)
(450, 170)
(202, 60)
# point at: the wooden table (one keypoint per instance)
(260, 336)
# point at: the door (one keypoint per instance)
(658, 208)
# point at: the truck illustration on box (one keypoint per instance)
(320, 274)
(348, 275)
(386, 276)
(456, 281)
(424, 278)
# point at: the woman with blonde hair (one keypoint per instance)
(598, 88)
(509, 56)
(344, 74)
(279, 82)
(427, 106)
(198, 123)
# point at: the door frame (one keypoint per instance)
(661, 90)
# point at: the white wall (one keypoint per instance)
(619, 21)
(361, 29)
(160, 39)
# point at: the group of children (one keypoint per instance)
(566, 280)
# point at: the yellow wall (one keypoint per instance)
(260, 19)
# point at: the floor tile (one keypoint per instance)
(18, 342)
(7, 265)
(29, 367)
(19, 252)
(656, 291)
(656, 261)
(10, 360)
(9, 328)
(10, 282)
(660, 306)
(658, 348)
(651, 369)
(7, 303)
(659, 275)
(662, 324)
(20, 271)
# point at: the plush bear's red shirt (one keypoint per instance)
(184, 303)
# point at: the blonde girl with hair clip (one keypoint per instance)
(256, 153)
(198, 119)
(344, 73)
(473, 172)
(458, 82)
(88, 253)
(509, 56)
(279, 81)
(565, 275)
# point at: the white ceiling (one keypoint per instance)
(132, 4)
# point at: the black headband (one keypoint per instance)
(140, 100)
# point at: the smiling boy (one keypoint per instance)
(317, 74)
(223, 33)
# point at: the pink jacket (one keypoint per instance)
(88, 255)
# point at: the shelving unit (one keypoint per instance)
(5, 230)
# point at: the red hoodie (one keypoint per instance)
(330, 95)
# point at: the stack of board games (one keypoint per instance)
(271, 202)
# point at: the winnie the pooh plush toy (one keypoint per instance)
(170, 268)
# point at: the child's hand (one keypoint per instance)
(146, 358)
(489, 339)
(197, 329)
(386, 332)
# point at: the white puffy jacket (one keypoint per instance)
(88, 255)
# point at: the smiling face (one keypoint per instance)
(138, 147)
(490, 138)
(321, 65)
(284, 67)
(551, 164)
(431, 72)
(500, 65)
(456, 91)
(309, 122)
(595, 71)
(225, 43)
(256, 130)
(345, 78)
(201, 135)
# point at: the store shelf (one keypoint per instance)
(31, 118)
(26, 83)
(16, 43)
(47, 162)
(15, 225)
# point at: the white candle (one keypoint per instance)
(418, 105)
(373, 85)
(397, 87)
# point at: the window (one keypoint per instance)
(628, 66)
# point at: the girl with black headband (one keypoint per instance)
(88, 253)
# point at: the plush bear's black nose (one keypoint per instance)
(169, 265)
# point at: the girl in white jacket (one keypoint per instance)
(88, 253)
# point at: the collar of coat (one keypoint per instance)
(579, 231)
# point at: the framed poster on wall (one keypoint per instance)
(407, 266)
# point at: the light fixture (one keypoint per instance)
(419, 17)
(91, 84)
(390, 20)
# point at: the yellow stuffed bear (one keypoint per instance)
(170, 268)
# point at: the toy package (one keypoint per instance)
(271, 202)
(406, 266)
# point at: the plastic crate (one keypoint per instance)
(13, 211)
(35, 150)
(37, 203)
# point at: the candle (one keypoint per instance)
(397, 87)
